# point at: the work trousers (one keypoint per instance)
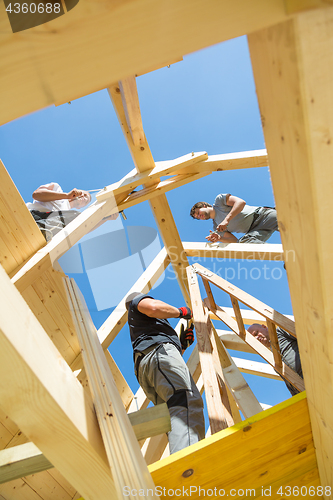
(164, 377)
(263, 226)
(50, 223)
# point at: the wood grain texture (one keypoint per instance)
(64, 59)
(42, 396)
(293, 70)
(277, 443)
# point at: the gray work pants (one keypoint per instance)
(164, 377)
(263, 226)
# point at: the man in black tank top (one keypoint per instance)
(160, 368)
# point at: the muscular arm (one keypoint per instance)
(44, 193)
(157, 309)
(237, 205)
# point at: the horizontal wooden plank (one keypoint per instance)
(20, 461)
(150, 421)
(242, 251)
(256, 368)
(48, 64)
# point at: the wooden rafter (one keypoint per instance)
(117, 197)
(131, 181)
(143, 161)
(229, 161)
(250, 317)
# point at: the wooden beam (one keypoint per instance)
(238, 387)
(157, 189)
(131, 40)
(263, 351)
(229, 161)
(256, 368)
(238, 316)
(217, 413)
(26, 459)
(294, 97)
(247, 299)
(293, 6)
(130, 182)
(250, 317)
(130, 99)
(246, 251)
(151, 421)
(143, 161)
(124, 389)
(232, 341)
(126, 462)
(20, 236)
(274, 344)
(41, 395)
(20, 461)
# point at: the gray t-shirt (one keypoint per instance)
(241, 223)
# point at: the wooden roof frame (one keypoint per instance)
(291, 46)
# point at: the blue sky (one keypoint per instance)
(207, 102)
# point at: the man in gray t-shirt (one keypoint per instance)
(230, 214)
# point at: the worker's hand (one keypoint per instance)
(213, 237)
(186, 336)
(74, 193)
(223, 225)
(185, 312)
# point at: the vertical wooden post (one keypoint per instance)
(126, 461)
(293, 70)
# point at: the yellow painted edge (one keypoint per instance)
(226, 432)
